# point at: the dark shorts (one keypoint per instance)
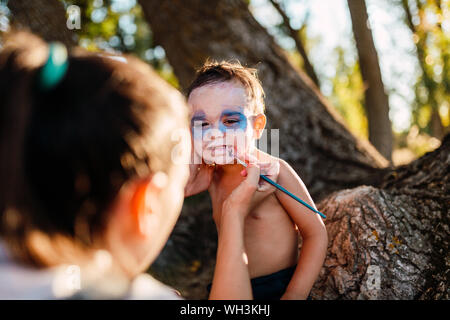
(272, 286)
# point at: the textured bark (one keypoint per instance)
(46, 18)
(376, 102)
(313, 137)
(404, 209)
(402, 228)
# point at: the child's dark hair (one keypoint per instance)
(65, 153)
(214, 72)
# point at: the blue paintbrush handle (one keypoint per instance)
(276, 185)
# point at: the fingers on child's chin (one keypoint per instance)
(266, 187)
(251, 158)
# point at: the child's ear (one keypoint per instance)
(259, 124)
(145, 203)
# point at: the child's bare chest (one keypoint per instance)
(271, 237)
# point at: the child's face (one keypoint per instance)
(221, 122)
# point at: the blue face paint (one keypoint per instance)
(197, 123)
(229, 120)
(232, 120)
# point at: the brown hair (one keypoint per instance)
(213, 72)
(65, 153)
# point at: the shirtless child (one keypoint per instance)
(226, 101)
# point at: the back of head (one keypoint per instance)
(66, 152)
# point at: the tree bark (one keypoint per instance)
(295, 35)
(376, 102)
(46, 18)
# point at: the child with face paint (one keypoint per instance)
(227, 117)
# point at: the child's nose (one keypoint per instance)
(214, 133)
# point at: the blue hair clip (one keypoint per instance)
(55, 68)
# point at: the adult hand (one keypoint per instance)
(231, 276)
(269, 166)
(248, 194)
(200, 176)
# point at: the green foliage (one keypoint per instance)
(433, 51)
(120, 26)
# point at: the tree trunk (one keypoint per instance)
(405, 209)
(295, 35)
(46, 18)
(376, 101)
(391, 242)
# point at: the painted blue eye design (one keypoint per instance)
(229, 120)
(198, 120)
(234, 120)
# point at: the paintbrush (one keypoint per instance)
(276, 185)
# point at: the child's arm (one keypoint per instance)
(312, 230)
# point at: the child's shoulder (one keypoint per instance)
(286, 169)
